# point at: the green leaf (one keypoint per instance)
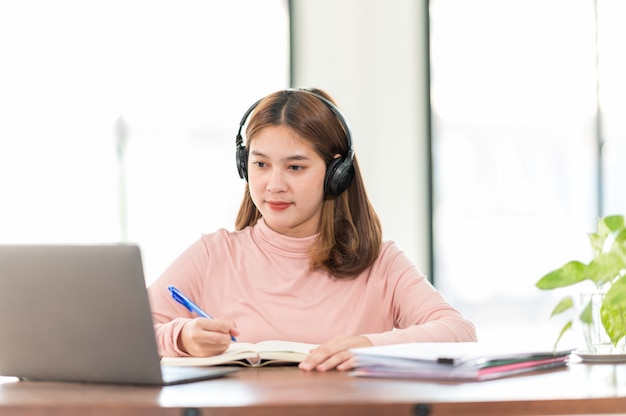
(620, 236)
(608, 227)
(565, 328)
(604, 268)
(571, 273)
(565, 304)
(597, 243)
(586, 316)
(613, 311)
(612, 223)
(619, 245)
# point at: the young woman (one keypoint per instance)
(307, 262)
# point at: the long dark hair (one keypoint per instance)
(350, 233)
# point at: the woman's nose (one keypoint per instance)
(276, 181)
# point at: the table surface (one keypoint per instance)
(575, 389)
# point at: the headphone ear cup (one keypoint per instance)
(338, 176)
(241, 156)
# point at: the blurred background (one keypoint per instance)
(490, 132)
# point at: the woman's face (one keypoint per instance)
(286, 181)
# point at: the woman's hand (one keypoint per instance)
(334, 354)
(202, 337)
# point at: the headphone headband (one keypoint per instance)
(339, 172)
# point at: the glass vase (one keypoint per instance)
(596, 338)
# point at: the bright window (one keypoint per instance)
(119, 117)
(515, 148)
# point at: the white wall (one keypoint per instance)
(370, 55)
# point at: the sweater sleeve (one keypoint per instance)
(419, 311)
(168, 316)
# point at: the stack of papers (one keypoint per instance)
(468, 361)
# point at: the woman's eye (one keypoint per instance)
(295, 167)
(259, 164)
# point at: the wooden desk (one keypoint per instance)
(282, 391)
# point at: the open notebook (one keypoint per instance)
(81, 313)
(250, 355)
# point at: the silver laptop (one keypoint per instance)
(81, 313)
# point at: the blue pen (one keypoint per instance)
(187, 303)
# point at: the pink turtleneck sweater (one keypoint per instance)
(261, 280)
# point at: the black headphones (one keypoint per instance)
(339, 172)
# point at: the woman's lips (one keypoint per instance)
(277, 205)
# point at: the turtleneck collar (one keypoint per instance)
(283, 243)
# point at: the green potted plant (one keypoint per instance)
(607, 272)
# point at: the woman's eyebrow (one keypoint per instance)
(295, 157)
